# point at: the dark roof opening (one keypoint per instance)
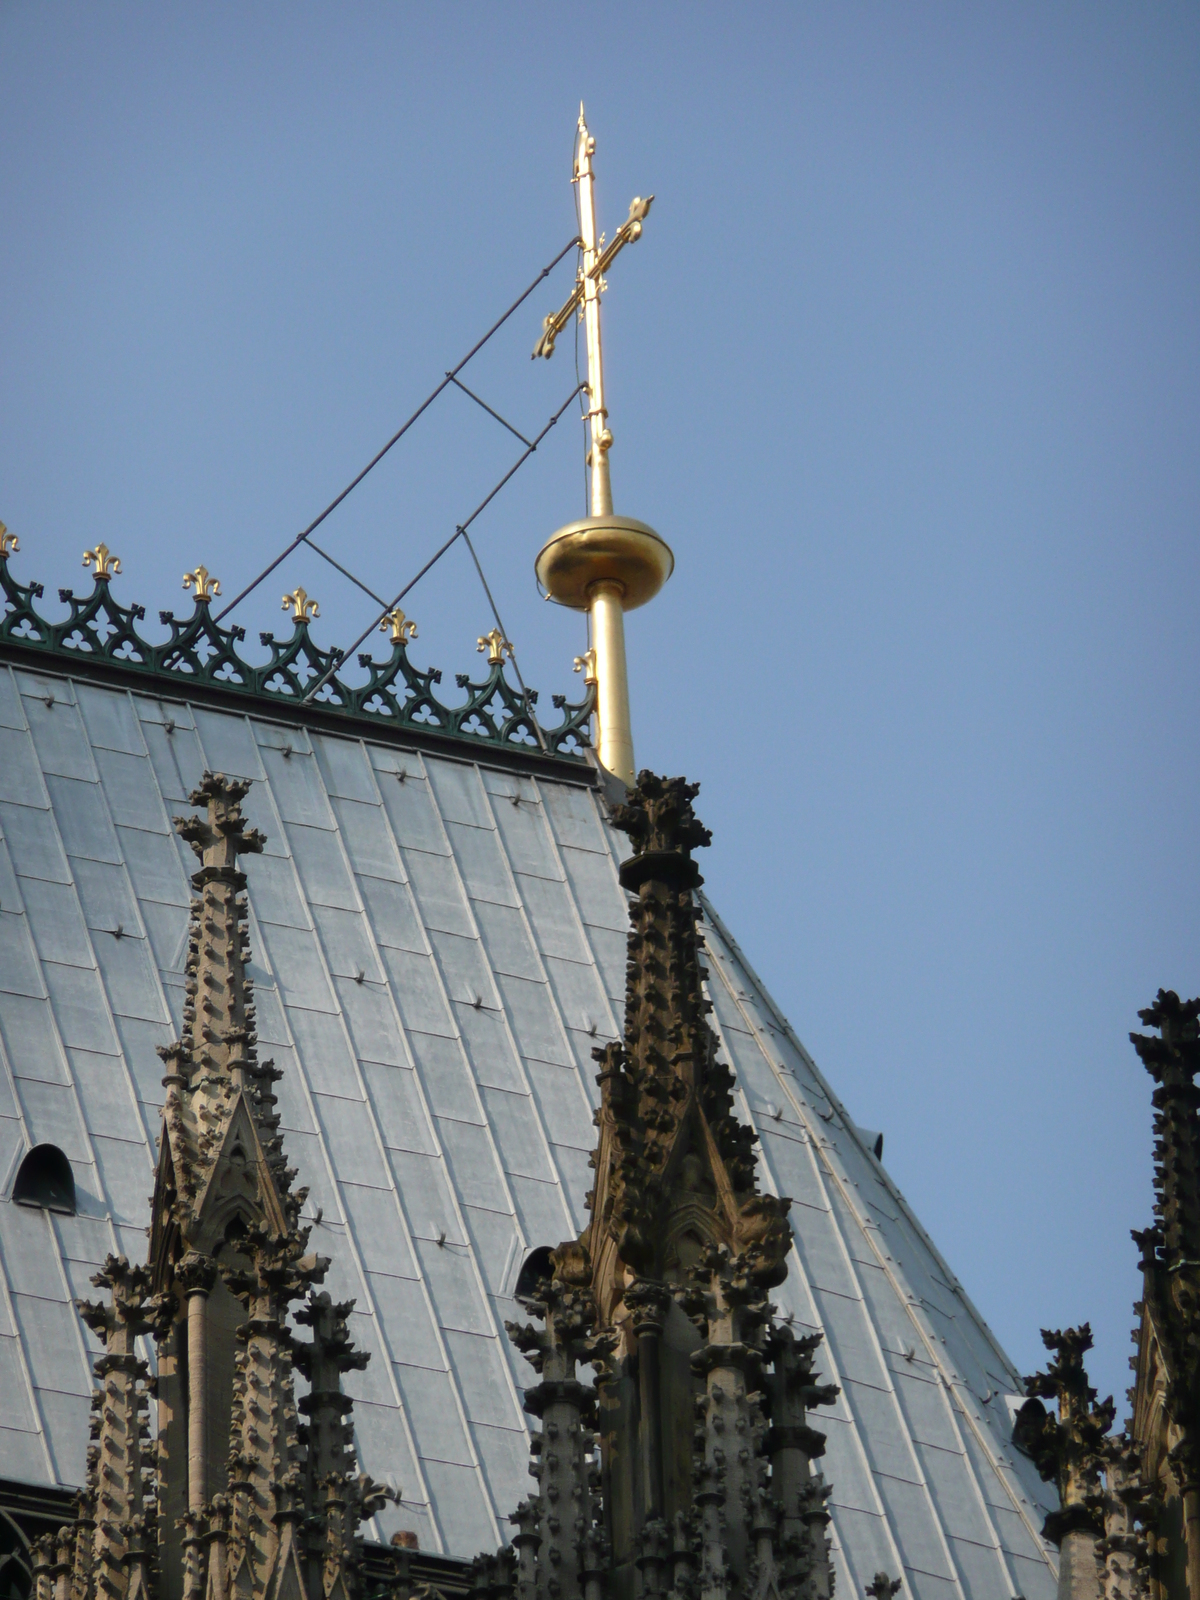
(45, 1179)
(534, 1268)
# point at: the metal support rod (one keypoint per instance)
(600, 439)
(614, 743)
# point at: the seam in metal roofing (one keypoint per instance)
(438, 945)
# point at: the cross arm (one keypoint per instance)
(628, 233)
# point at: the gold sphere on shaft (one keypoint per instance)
(611, 549)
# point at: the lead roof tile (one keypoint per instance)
(485, 1383)
(345, 769)
(59, 737)
(542, 1209)
(131, 790)
(574, 816)
(228, 743)
(352, 1140)
(458, 793)
(445, 1077)
(464, 1517)
(411, 810)
(506, 940)
(430, 1202)
(380, 1230)
(297, 967)
(323, 867)
(393, 915)
(12, 713)
(419, 993)
(20, 776)
(404, 1314)
(528, 842)
(368, 839)
(498, 1250)
(535, 1020)
(51, 1115)
(490, 1049)
(80, 1007)
(371, 1017)
(399, 1107)
(111, 720)
(33, 842)
(458, 1296)
(83, 821)
(295, 782)
(106, 1096)
(67, 1447)
(581, 1000)
(481, 863)
(19, 970)
(520, 1137)
(470, 1152)
(439, 893)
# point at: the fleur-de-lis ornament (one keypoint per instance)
(496, 646)
(202, 582)
(586, 663)
(398, 626)
(302, 608)
(8, 541)
(102, 559)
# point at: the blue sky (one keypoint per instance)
(905, 369)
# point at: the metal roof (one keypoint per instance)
(439, 943)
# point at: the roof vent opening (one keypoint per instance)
(45, 1180)
(534, 1268)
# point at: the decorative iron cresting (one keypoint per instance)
(200, 651)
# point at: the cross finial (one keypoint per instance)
(8, 541)
(604, 564)
(590, 284)
(496, 645)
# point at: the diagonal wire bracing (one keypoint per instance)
(451, 377)
(459, 532)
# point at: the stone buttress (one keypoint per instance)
(242, 1498)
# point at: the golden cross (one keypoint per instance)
(204, 585)
(302, 608)
(495, 644)
(8, 541)
(102, 558)
(585, 297)
(399, 626)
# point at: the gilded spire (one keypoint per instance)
(605, 565)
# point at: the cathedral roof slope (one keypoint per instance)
(438, 943)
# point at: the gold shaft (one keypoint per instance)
(614, 742)
(600, 439)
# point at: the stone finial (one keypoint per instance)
(221, 835)
(1067, 1450)
(881, 1587)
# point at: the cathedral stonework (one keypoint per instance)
(1129, 1520)
(247, 1495)
(675, 1454)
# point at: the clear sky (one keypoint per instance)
(905, 369)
